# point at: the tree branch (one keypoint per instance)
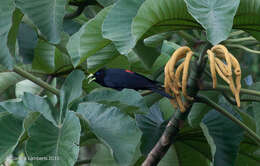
(162, 146)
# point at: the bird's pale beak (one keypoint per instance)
(91, 78)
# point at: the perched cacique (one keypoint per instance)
(119, 79)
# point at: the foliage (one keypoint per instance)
(49, 109)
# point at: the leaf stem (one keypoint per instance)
(204, 99)
(243, 47)
(208, 86)
(36, 80)
(236, 33)
(250, 38)
(189, 38)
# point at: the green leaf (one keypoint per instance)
(186, 153)
(215, 16)
(47, 15)
(247, 17)
(103, 157)
(27, 40)
(12, 36)
(102, 58)
(119, 99)
(88, 40)
(166, 108)
(10, 132)
(147, 54)
(257, 116)
(155, 16)
(113, 128)
(70, 90)
(44, 57)
(199, 110)
(6, 13)
(57, 145)
(16, 108)
(119, 30)
(223, 135)
(8, 79)
(168, 48)
(248, 153)
(39, 104)
(151, 124)
(26, 86)
(106, 2)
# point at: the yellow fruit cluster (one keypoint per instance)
(218, 53)
(172, 79)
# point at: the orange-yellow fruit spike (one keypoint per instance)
(221, 74)
(221, 66)
(178, 74)
(176, 56)
(185, 75)
(222, 52)
(212, 67)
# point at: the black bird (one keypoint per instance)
(120, 79)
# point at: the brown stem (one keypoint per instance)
(162, 146)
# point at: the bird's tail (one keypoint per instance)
(161, 92)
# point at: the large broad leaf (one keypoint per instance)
(119, 30)
(27, 40)
(102, 58)
(44, 57)
(146, 54)
(113, 128)
(152, 127)
(47, 15)
(103, 157)
(27, 86)
(6, 13)
(256, 107)
(16, 108)
(38, 104)
(119, 99)
(199, 110)
(106, 2)
(88, 40)
(155, 16)
(12, 36)
(223, 135)
(248, 154)
(70, 90)
(10, 132)
(215, 16)
(56, 145)
(247, 16)
(8, 79)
